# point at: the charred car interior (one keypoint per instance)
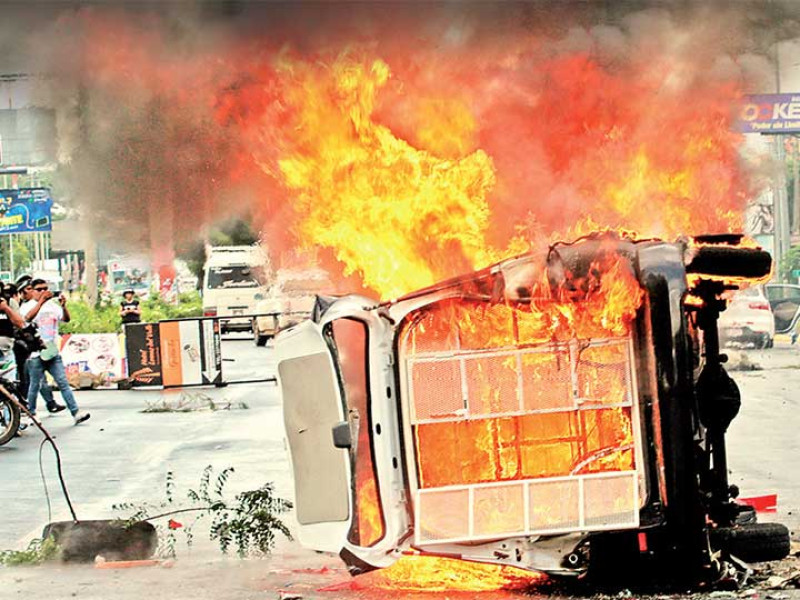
(563, 413)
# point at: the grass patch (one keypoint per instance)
(37, 552)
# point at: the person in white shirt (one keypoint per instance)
(47, 314)
(22, 352)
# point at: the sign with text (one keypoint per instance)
(191, 352)
(143, 349)
(174, 353)
(26, 210)
(770, 113)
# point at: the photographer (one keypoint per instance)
(47, 314)
(27, 341)
(9, 320)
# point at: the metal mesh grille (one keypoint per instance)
(602, 374)
(558, 505)
(499, 510)
(547, 381)
(443, 515)
(554, 505)
(469, 384)
(610, 501)
(549, 422)
(436, 390)
(492, 384)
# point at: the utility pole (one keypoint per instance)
(795, 147)
(782, 235)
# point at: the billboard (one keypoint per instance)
(129, 273)
(176, 353)
(769, 113)
(25, 210)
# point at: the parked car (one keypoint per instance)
(533, 414)
(748, 319)
(784, 299)
(290, 301)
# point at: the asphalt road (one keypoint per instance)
(123, 454)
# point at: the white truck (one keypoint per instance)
(235, 279)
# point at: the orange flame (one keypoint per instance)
(434, 574)
(403, 216)
(398, 215)
(409, 162)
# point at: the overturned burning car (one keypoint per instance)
(562, 413)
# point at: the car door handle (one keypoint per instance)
(341, 435)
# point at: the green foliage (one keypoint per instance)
(22, 253)
(249, 523)
(106, 319)
(790, 262)
(37, 552)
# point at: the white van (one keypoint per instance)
(235, 279)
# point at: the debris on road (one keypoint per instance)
(190, 402)
(102, 563)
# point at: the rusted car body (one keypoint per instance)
(555, 413)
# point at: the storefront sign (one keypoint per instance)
(770, 113)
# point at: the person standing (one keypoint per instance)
(47, 315)
(22, 352)
(129, 309)
(9, 319)
(10, 322)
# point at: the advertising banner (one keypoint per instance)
(770, 113)
(98, 354)
(177, 353)
(26, 210)
(190, 352)
(129, 273)
(143, 350)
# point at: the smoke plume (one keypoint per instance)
(521, 123)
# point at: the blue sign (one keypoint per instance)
(25, 210)
(770, 113)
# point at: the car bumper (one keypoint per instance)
(745, 334)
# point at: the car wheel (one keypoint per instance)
(261, 340)
(752, 542)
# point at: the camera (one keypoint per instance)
(7, 290)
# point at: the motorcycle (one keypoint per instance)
(9, 410)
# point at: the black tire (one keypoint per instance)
(753, 542)
(9, 420)
(261, 340)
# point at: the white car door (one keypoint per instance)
(341, 423)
